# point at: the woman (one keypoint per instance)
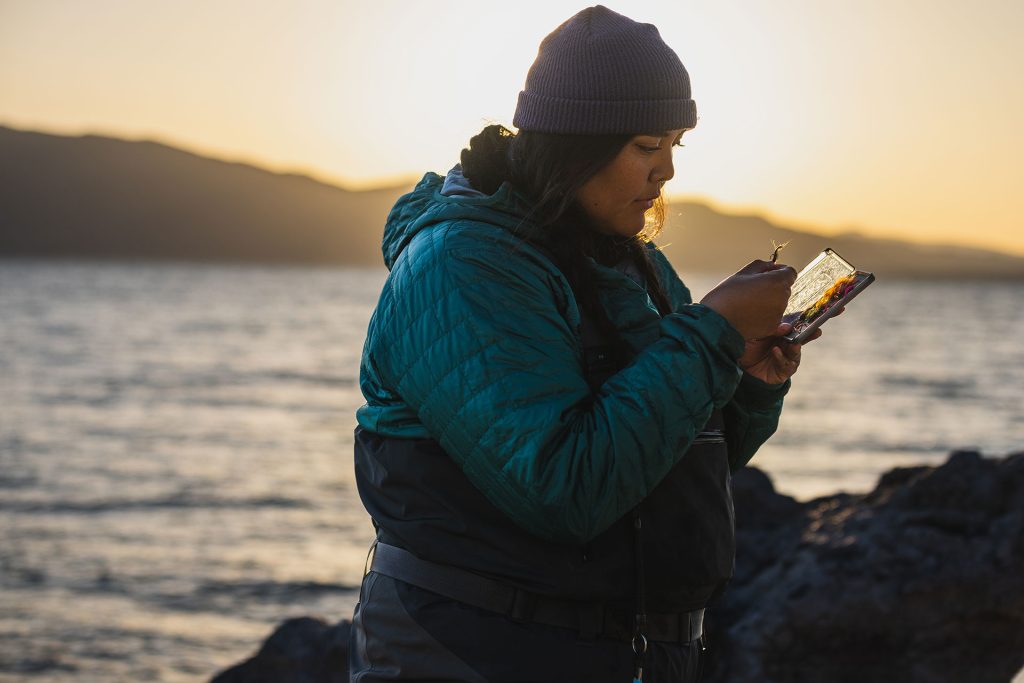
(550, 422)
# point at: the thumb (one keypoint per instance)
(756, 266)
(785, 273)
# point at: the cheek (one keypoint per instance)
(609, 198)
(631, 181)
(594, 196)
(617, 190)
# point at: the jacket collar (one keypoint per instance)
(427, 205)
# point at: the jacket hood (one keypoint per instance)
(425, 206)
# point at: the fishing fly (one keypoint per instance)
(776, 247)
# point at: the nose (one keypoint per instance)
(665, 169)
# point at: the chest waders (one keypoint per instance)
(602, 361)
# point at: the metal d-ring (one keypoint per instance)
(639, 644)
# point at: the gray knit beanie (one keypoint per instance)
(603, 73)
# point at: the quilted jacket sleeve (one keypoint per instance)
(481, 347)
(752, 415)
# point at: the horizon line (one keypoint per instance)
(403, 180)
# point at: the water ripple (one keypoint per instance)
(182, 501)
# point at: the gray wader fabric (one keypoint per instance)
(404, 633)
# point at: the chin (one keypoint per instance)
(633, 229)
(626, 226)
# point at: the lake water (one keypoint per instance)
(175, 445)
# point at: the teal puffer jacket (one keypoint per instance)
(475, 343)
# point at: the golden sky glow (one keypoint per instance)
(898, 118)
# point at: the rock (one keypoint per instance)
(301, 650)
(921, 579)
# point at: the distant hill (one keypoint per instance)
(700, 239)
(100, 197)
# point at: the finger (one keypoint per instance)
(769, 266)
(786, 272)
(814, 335)
(757, 266)
(786, 351)
(778, 272)
(786, 364)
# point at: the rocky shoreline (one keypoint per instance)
(921, 579)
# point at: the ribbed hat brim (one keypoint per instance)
(545, 114)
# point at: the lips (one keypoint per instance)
(648, 202)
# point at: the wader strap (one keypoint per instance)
(517, 604)
(640, 619)
(451, 582)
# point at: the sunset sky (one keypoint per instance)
(894, 118)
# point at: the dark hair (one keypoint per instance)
(550, 169)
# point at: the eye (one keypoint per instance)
(647, 148)
(678, 143)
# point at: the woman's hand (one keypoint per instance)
(753, 299)
(772, 359)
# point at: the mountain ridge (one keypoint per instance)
(94, 196)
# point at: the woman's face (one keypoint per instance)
(618, 196)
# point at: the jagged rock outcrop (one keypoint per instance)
(921, 579)
(300, 650)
